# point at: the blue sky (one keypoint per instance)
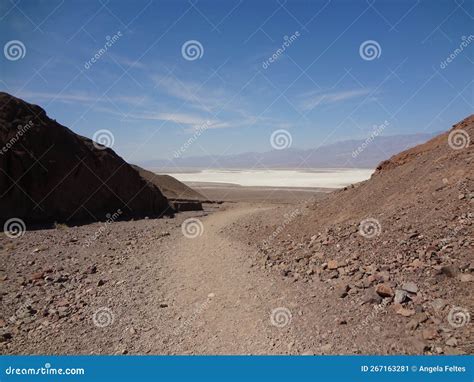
(320, 88)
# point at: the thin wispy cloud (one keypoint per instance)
(195, 94)
(187, 120)
(311, 100)
(79, 97)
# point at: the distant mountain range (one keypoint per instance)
(350, 153)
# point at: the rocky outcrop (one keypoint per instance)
(181, 197)
(48, 173)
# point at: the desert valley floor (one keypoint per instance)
(143, 287)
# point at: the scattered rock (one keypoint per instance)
(401, 296)
(325, 348)
(332, 264)
(429, 333)
(37, 275)
(466, 277)
(405, 312)
(342, 290)
(5, 336)
(449, 270)
(410, 287)
(384, 290)
(452, 342)
(371, 297)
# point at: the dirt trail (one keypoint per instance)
(224, 306)
(143, 287)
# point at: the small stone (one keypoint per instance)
(382, 276)
(466, 277)
(419, 345)
(410, 287)
(417, 263)
(383, 290)
(325, 348)
(400, 296)
(62, 279)
(342, 290)
(100, 282)
(163, 305)
(5, 336)
(429, 333)
(405, 312)
(371, 297)
(133, 331)
(332, 264)
(211, 295)
(37, 275)
(412, 324)
(62, 302)
(333, 274)
(63, 311)
(448, 270)
(452, 342)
